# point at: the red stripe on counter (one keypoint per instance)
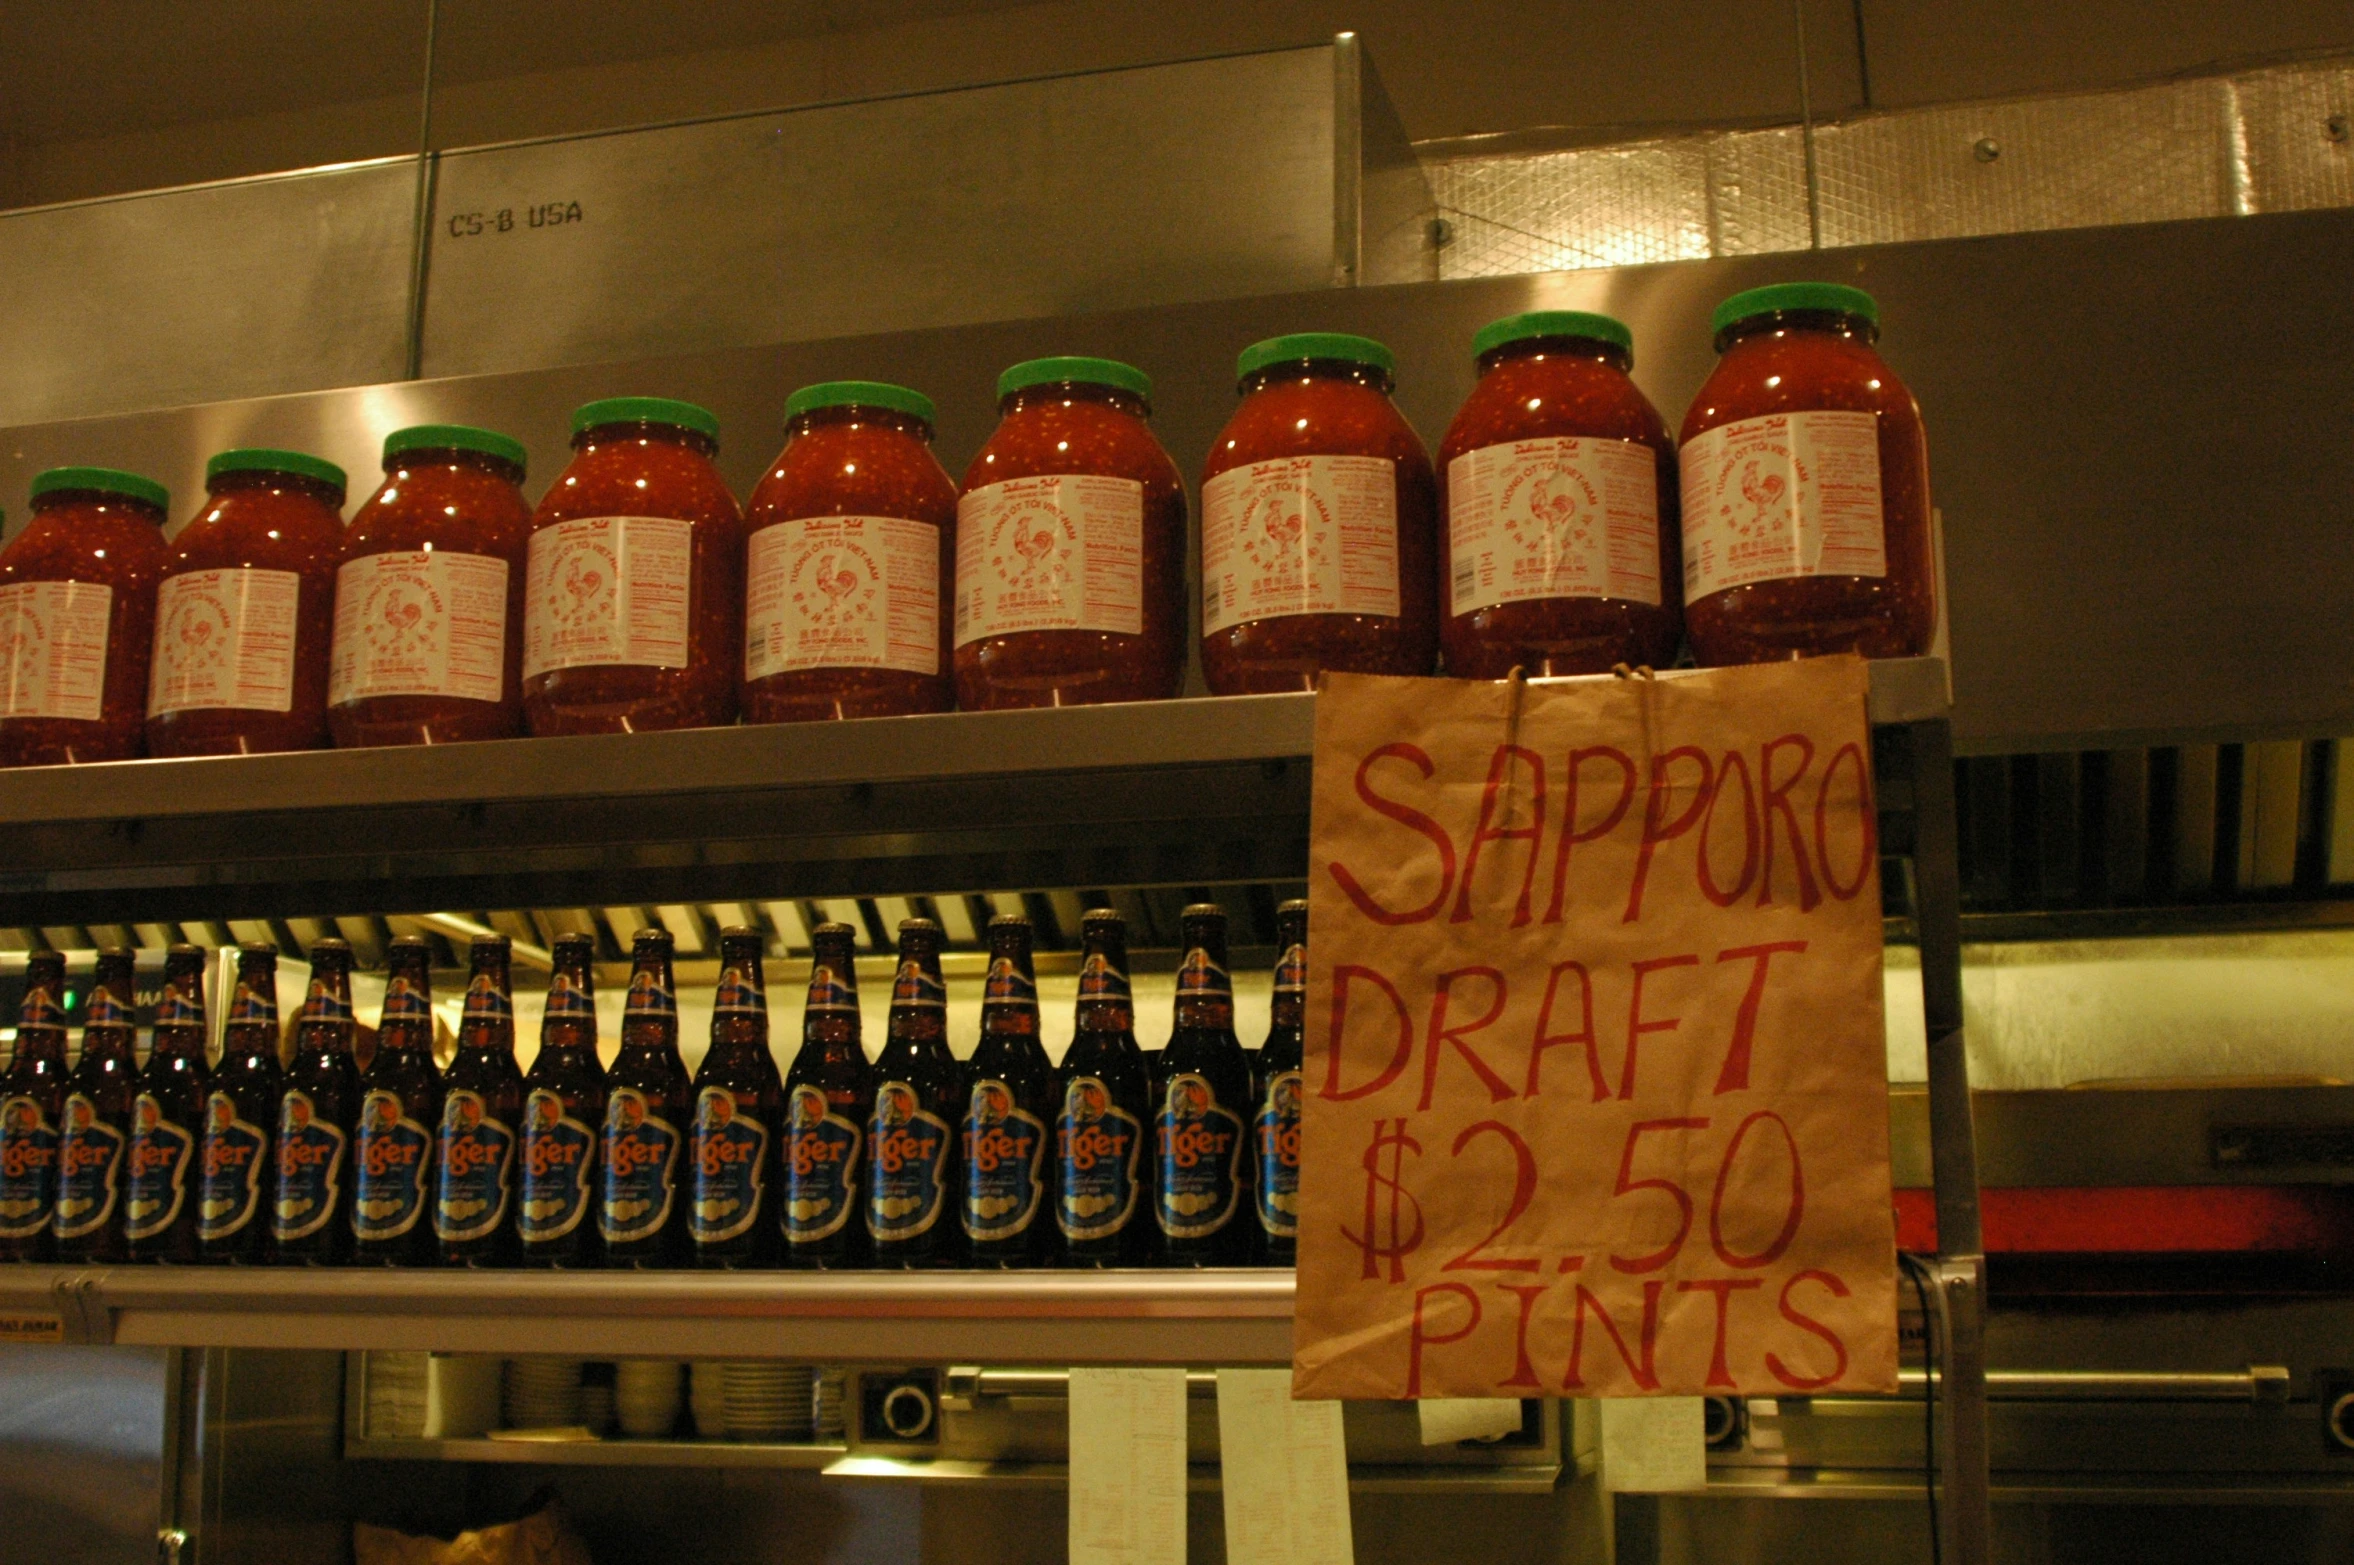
(2146, 1219)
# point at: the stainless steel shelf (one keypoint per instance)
(1058, 1318)
(597, 1453)
(1194, 791)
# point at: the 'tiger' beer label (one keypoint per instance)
(1278, 1135)
(1100, 980)
(157, 1173)
(394, 1154)
(28, 1168)
(828, 992)
(821, 1166)
(641, 1167)
(486, 1002)
(477, 1164)
(229, 1192)
(89, 1168)
(910, 1175)
(559, 1152)
(730, 1167)
(914, 986)
(1200, 1159)
(1004, 1163)
(1097, 1145)
(311, 1167)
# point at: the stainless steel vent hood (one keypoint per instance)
(1244, 175)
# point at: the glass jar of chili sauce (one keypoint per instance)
(846, 586)
(246, 610)
(429, 597)
(77, 617)
(1319, 522)
(634, 599)
(1805, 487)
(1558, 484)
(1070, 545)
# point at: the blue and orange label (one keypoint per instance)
(313, 1167)
(1004, 1163)
(559, 1155)
(1200, 1158)
(820, 1167)
(392, 1156)
(1098, 1153)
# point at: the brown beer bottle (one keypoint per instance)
(235, 1172)
(829, 1098)
(731, 1162)
(563, 1113)
(911, 1136)
(1103, 1097)
(400, 1103)
(32, 1096)
(95, 1123)
(481, 1106)
(1009, 1098)
(647, 1101)
(159, 1211)
(1201, 1093)
(1275, 1084)
(311, 1216)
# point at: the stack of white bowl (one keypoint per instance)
(832, 1385)
(709, 1400)
(767, 1401)
(646, 1396)
(541, 1393)
(398, 1395)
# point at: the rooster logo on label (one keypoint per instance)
(1284, 534)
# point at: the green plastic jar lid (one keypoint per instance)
(455, 437)
(261, 459)
(860, 394)
(1775, 298)
(1065, 369)
(1301, 346)
(646, 410)
(1552, 323)
(104, 480)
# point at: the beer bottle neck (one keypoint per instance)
(177, 1042)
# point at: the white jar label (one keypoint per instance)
(1786, 495)
(842, 592)
(422, 622)
(1561, 517)
(1300, 535)
(225, 639)
(53, 635)
(1059, 552)
(607, 589)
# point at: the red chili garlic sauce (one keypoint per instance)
(1557, 481)
(1070, 545)
(634, 598)
(429, 597)
(848, 546)
(1805, 487)
(77, 617)
(246, 610)
(1319, 523)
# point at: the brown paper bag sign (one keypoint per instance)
(1597, 1097)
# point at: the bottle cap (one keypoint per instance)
(1552, 323)
(262, 459)
(1777, 298)
(1100, 918)
(331, 949)
(491, 945)
(834, 932)
(1086, 372)
(105, 481)
(651, 938)
(860, 394)
(1010, 921)
(455, 437)
(1302, 346)
(919, 926)
(1210, 910)
(646, 410)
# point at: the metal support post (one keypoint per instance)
(1960, 1299)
